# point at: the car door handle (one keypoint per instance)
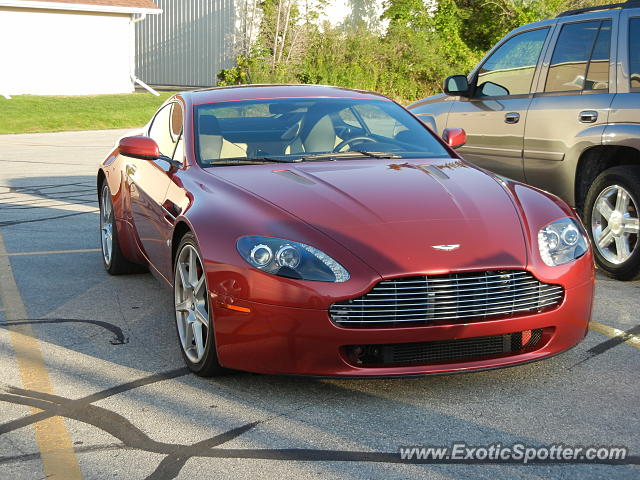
(511, 117)
(588, 116)
(131, 170)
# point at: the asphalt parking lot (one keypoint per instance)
(93, 386)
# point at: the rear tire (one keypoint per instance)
(112, 258)
(194, 319)
(612, 208)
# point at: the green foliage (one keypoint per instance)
(237, 75)
(421, 46)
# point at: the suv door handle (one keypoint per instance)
(511, 117)
(588, 116)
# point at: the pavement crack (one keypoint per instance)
(119, 337)
(170, 466)
(177, 454)
(26, 457)
(20, 222)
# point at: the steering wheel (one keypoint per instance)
(349, 141)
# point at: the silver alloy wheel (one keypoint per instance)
(192, 312)
(106, 225)
(614, 224)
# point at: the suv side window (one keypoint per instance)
(580, 60)
(509, 70)
(634, 54)
(166, 128)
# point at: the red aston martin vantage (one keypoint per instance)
(325, 231)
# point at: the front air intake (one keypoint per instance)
(413, 301)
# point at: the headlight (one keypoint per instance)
(561, 242)
(291, 259)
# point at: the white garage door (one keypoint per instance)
(64, 53)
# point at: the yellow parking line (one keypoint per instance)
(606, 330)
(48, 252)
(56, 451)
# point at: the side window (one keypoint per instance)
(179, 150)
(509, 70)
(581, 58)
(166, 128)
(176, 121)
(598, 70)
(634, 53)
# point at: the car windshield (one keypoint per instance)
(309, 129)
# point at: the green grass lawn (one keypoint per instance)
(32, 113)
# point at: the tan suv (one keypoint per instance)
(556, 104)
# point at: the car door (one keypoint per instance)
(148, 181)
(177, 201)
(494, 114)
(571, 102)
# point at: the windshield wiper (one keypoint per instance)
(378, 154)
(349, 154)
(251, 161)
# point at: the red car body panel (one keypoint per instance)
(274, 339)
(401, 209)
(379, 218)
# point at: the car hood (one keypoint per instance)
(401, 217)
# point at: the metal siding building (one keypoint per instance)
(188, 44)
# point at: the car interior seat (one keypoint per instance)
(212, 143)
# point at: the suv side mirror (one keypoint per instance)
(456, 85)
(455, 137)
(139, 147)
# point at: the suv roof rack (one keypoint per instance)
(627, 4)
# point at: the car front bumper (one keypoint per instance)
(286, 340)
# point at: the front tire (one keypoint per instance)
(612, 208)
(194, 319)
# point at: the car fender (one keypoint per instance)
(538, 208)
(433, 111)
(224, 212)
(560, 176)
(622, 134)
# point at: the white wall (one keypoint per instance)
(64, 53)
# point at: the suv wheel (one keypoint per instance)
(612, 209)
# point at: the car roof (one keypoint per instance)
(262, 92)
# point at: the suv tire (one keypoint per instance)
(611, 212)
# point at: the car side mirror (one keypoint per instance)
(144, 148)
(491, 89)
(456, 85)
(455, 137)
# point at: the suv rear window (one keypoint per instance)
(634, 53)
(581, 58)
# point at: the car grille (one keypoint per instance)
(453, 297)
(446, 351)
